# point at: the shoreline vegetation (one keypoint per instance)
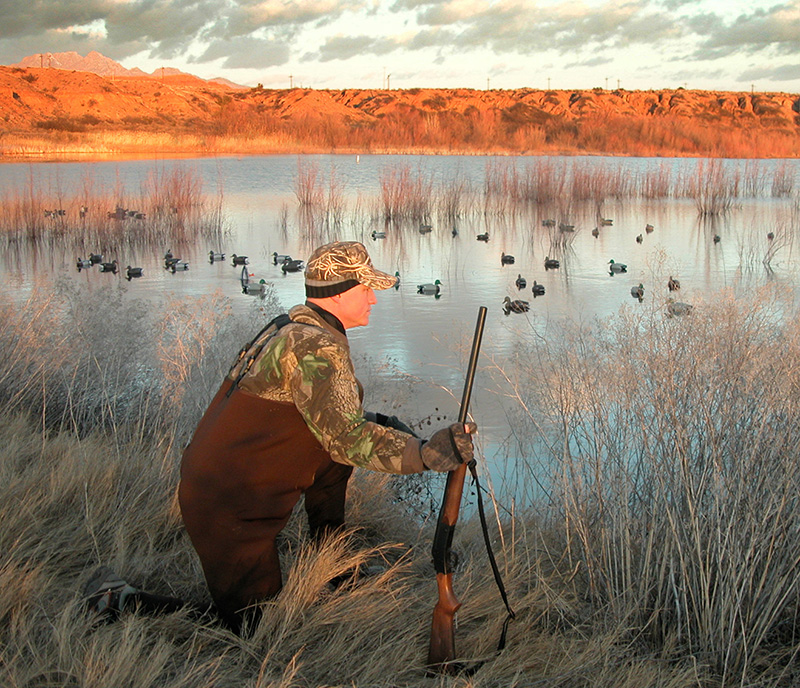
(61, 114)
(663, 549)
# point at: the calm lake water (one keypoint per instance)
(423, 336)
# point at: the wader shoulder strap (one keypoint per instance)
(278, 321)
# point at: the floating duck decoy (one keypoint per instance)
(595, 232)
(550, 263)
(617, 267)
(637, 292)
(537, 289)
(564, 227)
(716, 238)
(429, 288)
(255, 289)
(521, 282)
(179, 266)
(84, 263)
(506, 259)
(483, 237)
(673, 284)
(548, 223)
(169, 262)
(770, 235)
(648, 228)
(606, 222)
(515, 306)
(109, 267)
(279, 258)
(130, 272)
(454, 231)
(378, 235)
(678, 308)
(96, 258)
(639, 239)
(425, 229)
(214, 256)
(238, 260)
(292, 266)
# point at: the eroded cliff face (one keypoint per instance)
(41, 99)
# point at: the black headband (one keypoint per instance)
(314, 292)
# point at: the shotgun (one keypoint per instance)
(442, 650)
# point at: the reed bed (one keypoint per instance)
(667, 453)
(170, 208)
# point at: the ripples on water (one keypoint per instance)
(424, 336)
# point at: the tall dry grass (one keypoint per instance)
(667, 462)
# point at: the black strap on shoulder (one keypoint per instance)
(278, 321)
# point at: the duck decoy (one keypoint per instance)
(179, 266)
(648, 228)
(213, 256)
(434, 288)
(238, 260)
(716, 238)
(515, 306)
(639, 239)
(595, 232)
(109, 267)
(770, 235)
(96, 258)
(506, 259)
(130, 272)
(483, 237)
(425, 229)
(521, 282)
(169, 262)
(454, 231)
(606, 222)
(292, 266)
(637, 292)
(673, 284)
(678, 308)
(378, 235)
(537, 289)
(550, 263)
(564, 227)
(548, 223)
(279, 258)
(617, 267)
(255, 289)
(84, 263)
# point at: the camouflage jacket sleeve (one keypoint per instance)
(311, 367)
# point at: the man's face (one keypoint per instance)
(354, 306)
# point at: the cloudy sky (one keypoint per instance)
(636, 44)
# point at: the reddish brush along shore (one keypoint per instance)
(55, 111)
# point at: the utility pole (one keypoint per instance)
(388, 76)
(291, 83)
(606, 83)
(548, 83)
(487, 83)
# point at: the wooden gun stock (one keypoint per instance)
(442, 649)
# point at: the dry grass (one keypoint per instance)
(660, 548)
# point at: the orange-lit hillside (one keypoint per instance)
(53, 111)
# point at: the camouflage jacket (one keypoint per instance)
(307, 363)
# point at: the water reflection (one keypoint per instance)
(425, 336)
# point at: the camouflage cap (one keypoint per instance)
(335, 268)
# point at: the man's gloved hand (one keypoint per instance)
(390, 422)
(449, 447)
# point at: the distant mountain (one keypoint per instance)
(99, 64)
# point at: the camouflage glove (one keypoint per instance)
(449, 447)
(390, 422)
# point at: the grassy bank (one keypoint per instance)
(660, 547)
